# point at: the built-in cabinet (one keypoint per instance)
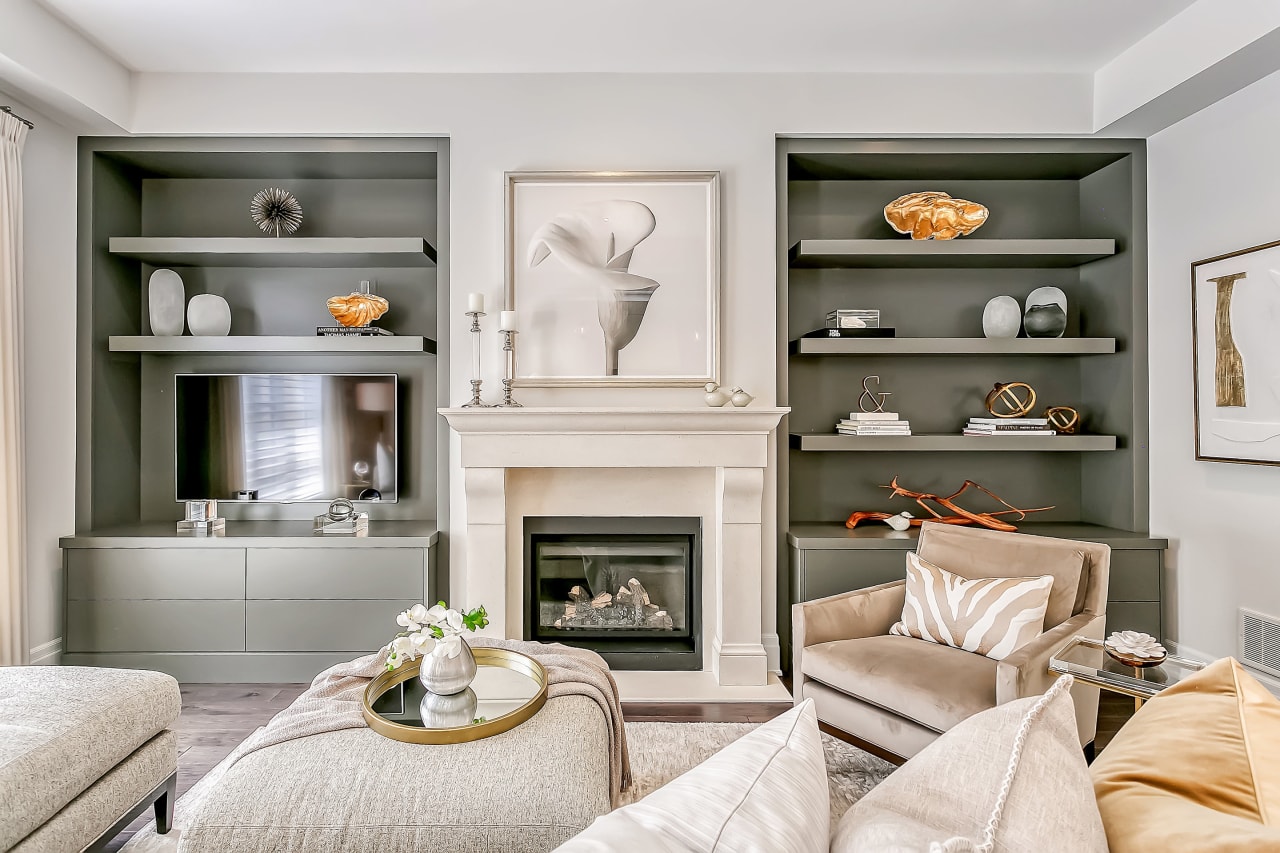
(269, 600)
(1063, 212)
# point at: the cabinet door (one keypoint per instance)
(823, 573)
(1135, 576)
(155, 626)
(337, 573)
(155, 573)
(322, 626)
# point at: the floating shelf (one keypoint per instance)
(272, 343)
(953, 346)
(963, 252)
(876, 536)
(277, 251)
(947, 442)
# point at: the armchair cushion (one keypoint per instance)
(990, 616)
(935, 685)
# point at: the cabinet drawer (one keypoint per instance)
(1141, 616)
(156, 626)
(322, 626)
(1135, 576)
(823, 573)
(347, 573)
(150, 573)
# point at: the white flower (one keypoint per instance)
(421, 643)
(435, 615)
(1136, 644)
(450, 646)
(406, 620)
(454, 619)
(418, 613)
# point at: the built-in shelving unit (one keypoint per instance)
(1063, 212)
(953, 346)
(264, 251)
(973, 253)
(950, 443)
(367, 344)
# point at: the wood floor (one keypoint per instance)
(217, 717)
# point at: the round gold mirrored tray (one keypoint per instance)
(508, 689)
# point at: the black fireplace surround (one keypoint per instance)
(628, 588)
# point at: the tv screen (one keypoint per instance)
(287, 436)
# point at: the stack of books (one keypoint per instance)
(1009, 426)
(873, 423)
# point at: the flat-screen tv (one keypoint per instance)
(287, 436)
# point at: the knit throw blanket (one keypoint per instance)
(334, 700)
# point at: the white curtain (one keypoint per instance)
(13, 134)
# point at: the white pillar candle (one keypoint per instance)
(475, 303)
(508, 323)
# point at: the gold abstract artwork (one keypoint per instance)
(1228, 368)
(934, 216)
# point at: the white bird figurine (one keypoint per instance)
(899, 522)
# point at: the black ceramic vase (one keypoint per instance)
(1045, 321)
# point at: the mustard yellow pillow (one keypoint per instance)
(1198, 768)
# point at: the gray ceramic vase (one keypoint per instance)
(445, 675)
(1045, 321)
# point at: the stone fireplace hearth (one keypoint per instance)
(704, 464)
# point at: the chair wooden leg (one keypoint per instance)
(1090, 752)
(164, 805)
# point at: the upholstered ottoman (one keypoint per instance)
(529, 789)
(83, 750)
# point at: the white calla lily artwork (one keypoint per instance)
(435, 630)
(615, 277)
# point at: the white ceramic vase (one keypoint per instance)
(209, 315)
(1002, 318)
(166, 303)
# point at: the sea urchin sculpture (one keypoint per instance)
(276, 210)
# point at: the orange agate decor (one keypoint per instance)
(358, 309)
(934, 216)
(960, 515)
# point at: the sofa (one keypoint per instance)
(83, 751)
(1194, 770)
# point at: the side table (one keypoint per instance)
(1087, 660)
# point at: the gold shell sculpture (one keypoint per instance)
(934, 215)
(358, 309)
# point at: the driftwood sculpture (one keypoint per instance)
(960, 515)
(934, 216)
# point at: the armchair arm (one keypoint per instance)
(866, 612)
(1026, 672)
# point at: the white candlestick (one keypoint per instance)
(508, 321)
(475, 302)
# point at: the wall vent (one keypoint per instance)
(1260, 641)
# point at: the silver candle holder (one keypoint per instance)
(509, 347)
(475, 402)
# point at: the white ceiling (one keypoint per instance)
(614, 35)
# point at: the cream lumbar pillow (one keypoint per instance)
(990, 616)
(766, 792)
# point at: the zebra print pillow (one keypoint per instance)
(990, 616)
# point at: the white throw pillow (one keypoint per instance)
(1012, 777)
(766, 792)
(990, 616)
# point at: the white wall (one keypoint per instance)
(1214, 181)
(49, 377)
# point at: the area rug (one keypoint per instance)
(659, 753)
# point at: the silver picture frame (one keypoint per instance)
(586, 292)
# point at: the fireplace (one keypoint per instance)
(628, 588)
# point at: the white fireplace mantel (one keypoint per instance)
(724, 451)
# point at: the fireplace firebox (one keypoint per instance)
(628, 588)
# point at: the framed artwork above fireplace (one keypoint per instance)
(616, 277)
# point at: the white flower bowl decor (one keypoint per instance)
(1135, 648)
(435, 633)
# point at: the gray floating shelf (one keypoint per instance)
(277, 251)
(877, 536)
(953, 346)
(962, 252)
(272, 343)
(947, 442)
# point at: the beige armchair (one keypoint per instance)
(899, 693)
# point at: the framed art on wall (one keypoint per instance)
(1235, 311)
(615, 276)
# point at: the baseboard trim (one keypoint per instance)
(47, 654)
(1183, 651)
(772, 652)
